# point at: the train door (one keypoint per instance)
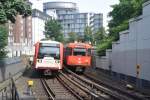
(36, 53)
(68, 52)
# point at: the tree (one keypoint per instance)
(9, 9)
(106, 43)
(53, 30)
(3, 41)
(99, 35)
(121, 14)
(88, 36)
(72, 37)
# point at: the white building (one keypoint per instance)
(71, 19)
(38, 24)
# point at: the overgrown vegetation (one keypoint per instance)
(88, 36)
(121, 13)
(9, 9)
(3, 41)
(53, 30)
(72, 36)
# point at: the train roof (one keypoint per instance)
(79, 45)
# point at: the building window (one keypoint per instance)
(21, 21)
(30, 29)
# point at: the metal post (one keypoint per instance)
(138, 82)
(92, 97)
(12, 92)
(2, 95)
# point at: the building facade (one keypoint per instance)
(38, 25)
(96, 22)
(71, 20)
(59, 8)
(74, 23)
(20, 36)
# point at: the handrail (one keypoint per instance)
(14, 92)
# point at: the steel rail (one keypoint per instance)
(113, 94)
(136, 97)
(84, 88)
(50, 93)
(69, 88)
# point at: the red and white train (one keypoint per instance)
(48, 56)
(77, 56)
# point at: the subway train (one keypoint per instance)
(77, 56)
(48, 57)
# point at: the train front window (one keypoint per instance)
(79, 52)
(49, 51)
(89, 52)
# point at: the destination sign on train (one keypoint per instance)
(49, 44)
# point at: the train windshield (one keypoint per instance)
(49, 51)
(79, 52)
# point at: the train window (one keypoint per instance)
(48, 51)
(68, 51)
(49, 44)
(79, 52)
(89, 52)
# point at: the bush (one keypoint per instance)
(105, 44)
(3, 41)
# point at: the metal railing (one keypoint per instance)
(14, 92)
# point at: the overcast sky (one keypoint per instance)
(97, 6)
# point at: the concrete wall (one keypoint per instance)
(134, 47)
(104, 62)
(10, 65)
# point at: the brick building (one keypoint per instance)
(20, 36)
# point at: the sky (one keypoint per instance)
(96, 6)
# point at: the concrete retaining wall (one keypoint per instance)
(133, 48)
(104, 62)
(10, 66)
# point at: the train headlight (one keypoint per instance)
(39, 60)
(57, 61)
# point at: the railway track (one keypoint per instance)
(80, 92)
(48, 90)
(70, 86)
(102, 92)
(132, 94)
(55, 90)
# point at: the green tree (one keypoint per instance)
(106, 43)
(9, 9)
(3, 41)
(88, 36)
(121, 14)
(99, 35)
(72, 37)
(53, 30)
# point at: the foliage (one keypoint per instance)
(121, 13)
(3, 40)
(53, 30)
(8, 11)
(99, 35)
(10, 8)
(72, 37)
(106, 43)
(88, 36)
